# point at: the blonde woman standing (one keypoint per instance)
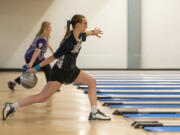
(36, 51)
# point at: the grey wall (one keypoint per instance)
(134, 34)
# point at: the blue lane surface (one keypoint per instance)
(139, 78)
(141, 88)
(142, 93)
(146, 106)
(142, 99)
(81, 85)
(151, 115)
(135, 91)
(163, 129)
(142, 81)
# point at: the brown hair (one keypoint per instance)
(75, 19)
(44, 26)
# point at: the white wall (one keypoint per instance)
(20, 21)
(161, 34)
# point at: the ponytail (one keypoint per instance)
(68, 31)
(75, 19)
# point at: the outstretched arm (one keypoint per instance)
(95, 32)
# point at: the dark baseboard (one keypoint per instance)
(10, 70)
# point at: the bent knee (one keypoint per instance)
(92, 83)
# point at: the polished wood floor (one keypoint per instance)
(65, 113)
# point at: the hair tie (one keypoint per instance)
(68, 23)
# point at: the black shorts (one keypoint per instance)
(64, 76)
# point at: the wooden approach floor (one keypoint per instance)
(65, 113)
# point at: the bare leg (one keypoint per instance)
(86, 79)
(49, 89)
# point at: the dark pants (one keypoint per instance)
(46, 69)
